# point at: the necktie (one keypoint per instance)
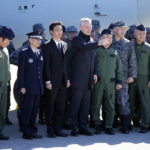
(59, 47)
(36, 53)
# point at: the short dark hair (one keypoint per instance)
(53, 24)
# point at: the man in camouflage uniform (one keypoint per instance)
(142, 83)
(130, 32)
(95, 30)
(127, 55)
(71, 33)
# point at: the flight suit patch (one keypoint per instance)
(112, 55)
(143, 53)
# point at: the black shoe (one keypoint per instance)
(143, 130)
(125, 122)
(8, 122)
(130, 127)
(86, 132)
(124, 131)
(51, 135)
(27, 137)
(36, 136)
(97, 130)
(2, 137)
(109, 131)
(74, 133)
(61, 134)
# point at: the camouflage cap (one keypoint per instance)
(141, 27)
(38, 27)
(6, 33)
(148, 29)
(106, 31)
(111, 26)
(132, 27)
(119, 24)
(72, 29)
(95, 24)
(64, 29)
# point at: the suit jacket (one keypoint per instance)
(30, 71)
(83, 62)
(55, 63)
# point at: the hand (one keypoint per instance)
(130, 80)
(118, 86)
(103, 42)
(68, 84)
(49, 86)
(149, 84)
(95, 79)
(23, 90)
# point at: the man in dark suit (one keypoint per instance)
(83, 73)
(30, 82)
(56, 80)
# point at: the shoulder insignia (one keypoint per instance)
(24, 49)
(47, 42)
(116, 52)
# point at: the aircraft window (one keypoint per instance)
(25, 7)
(19, 8)
(33, 6)
(96, 6)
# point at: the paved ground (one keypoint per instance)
(133, 141)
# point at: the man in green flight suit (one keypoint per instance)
(110, 75)
(6, 35)
(142, 83)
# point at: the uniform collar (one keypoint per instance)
(34, 50)
(139, 44)
(114, 39)
(106, 48)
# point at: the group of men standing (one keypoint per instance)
(94, 72)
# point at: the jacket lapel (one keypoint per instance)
(54, 47)
(31, 53)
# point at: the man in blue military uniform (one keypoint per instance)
(6, 35)
(30, 82)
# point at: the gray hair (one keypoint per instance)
(83, 20)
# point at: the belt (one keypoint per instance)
(111, 79)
